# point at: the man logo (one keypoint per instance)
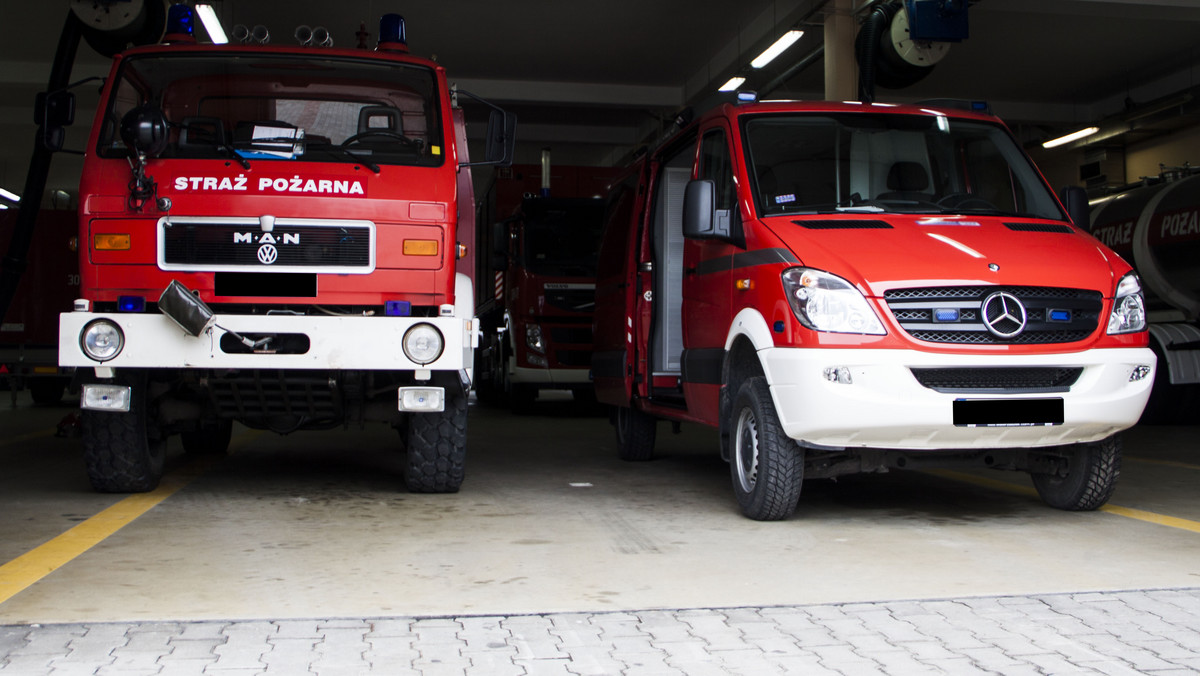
(267, 254)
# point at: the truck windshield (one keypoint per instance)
(282, 107)
(868, 162)
(563, 240)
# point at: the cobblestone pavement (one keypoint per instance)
(1135, 632)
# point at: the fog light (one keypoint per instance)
(423, 343)
(101, 340)
(1139, 372)
(422, 399)
(838, 374)
(538, 360)
(105, 397)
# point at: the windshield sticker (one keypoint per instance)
(785, 199)
(265, 185)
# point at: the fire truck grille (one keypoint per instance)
(572, 300)
(998, 379)
(269, 398)
(192, 244)
(955, 314)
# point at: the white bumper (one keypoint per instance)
(885, 406)
(369, 343)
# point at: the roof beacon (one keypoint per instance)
(391, 34)
(181, 25)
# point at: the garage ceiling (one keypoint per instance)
(597, 78)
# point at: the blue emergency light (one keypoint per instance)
(391, 30)
(397, 308)
(945, 314)
(1060, 315)
(131, 304)
(181, 20)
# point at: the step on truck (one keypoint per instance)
(840, 288)
(269, 235)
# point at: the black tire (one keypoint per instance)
(123, 452)
(766, 465)
(436, 448)
(208, 439)
(1089, 479)
(46, 391)
(636, 433)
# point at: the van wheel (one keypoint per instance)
(767, 466)
(1088, 479)
(123, 452)
(208, 438)
(436, 449)
(636, 432)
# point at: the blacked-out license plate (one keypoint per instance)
(1007, 412)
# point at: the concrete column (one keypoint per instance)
(841, 70)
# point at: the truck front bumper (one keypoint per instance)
(884, 406)
(334, 342)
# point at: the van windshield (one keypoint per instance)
(901, 163)
(261, 106)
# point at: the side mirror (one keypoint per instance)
(144, 129)
(701, 218)
(51, 112)
(501, 143)
(1075, 200)
(185, 309)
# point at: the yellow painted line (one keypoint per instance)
(1127, 512)
(1163, 463)
(26, 570)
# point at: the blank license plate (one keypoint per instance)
(1007, 412)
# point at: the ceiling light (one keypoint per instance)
(9, 195)
(733, 83)
(1082, 133)
(785, 41)
(212, 24)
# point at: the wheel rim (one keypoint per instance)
(745, 450)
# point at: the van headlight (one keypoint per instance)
(423, 343)
(1129, 307)
(825, 302)
(102, 340)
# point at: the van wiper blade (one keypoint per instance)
(339, 151)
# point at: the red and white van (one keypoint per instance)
(841, 287)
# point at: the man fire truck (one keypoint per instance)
(269, 235)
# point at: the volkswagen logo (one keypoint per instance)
(1003, 314)
(268, 254)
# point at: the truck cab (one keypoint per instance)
(840, 287)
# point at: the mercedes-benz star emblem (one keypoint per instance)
(1003, 314)
(267, 254)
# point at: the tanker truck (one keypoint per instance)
(1155, 225)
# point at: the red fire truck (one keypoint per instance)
(270, 235)
(841, 288)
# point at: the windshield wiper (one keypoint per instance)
(339, 151)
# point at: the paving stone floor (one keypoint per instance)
(1131, 632)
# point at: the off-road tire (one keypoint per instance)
(1090, 478)
(212, 439)
(436, 448)
(636, 433)
(767, 466)
(123, 452)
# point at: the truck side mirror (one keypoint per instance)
(1075, 200)
(701, 218)
(51, 112)
(501, 143)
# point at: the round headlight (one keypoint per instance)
(101, 340)
(423, 343)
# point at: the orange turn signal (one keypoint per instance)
(110, 241)
(420, 247)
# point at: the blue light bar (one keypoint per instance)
(397, 308)
(181, 20)
(131, 304)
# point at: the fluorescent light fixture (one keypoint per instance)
(732, 84)
(1082, 133)
(212, 24)
(9, 195)
(3, 207)
(786, 40)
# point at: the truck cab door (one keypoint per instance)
(708, 281)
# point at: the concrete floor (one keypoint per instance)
(549, 520)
